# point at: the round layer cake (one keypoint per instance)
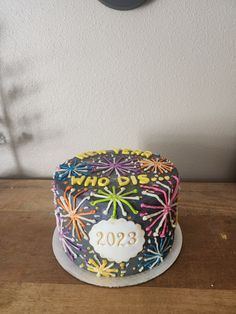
(116, 210)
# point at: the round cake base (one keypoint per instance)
(131, 280)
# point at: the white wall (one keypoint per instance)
(77, 76)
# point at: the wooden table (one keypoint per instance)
(202, 280)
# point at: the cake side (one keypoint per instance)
(116, 210)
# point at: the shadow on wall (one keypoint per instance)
(197, 157)
(148, 2)
(15, 132)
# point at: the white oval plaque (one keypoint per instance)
(117, 239)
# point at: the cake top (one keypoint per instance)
(119, 167)
(116, 178)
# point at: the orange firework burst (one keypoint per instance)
(155, 165)
(75, 214)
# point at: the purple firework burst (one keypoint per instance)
(71, 248)
(120, 165)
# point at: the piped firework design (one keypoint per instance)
(156, 165)
(71, 247)
(76, 215)
(72, 168)
(114, 198)
(121, 166)
(121, 183)
(162, 212)
(103, 268)
(156, 252)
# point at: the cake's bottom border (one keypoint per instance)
(116, 282)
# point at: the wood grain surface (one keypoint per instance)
(202, 280)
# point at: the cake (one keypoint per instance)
(116, 210)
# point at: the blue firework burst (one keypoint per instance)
(156, 252)
(72, 168)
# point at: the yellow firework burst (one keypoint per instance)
(101, 268)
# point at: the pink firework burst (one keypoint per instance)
(165, 210)
(120, 165)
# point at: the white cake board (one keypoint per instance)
(131, 280)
